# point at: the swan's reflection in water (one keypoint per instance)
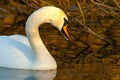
(14, 74)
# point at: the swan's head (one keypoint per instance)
(59, 19)
(62, 25)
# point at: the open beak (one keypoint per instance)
(65, 32)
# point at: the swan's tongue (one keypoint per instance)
(65, 32)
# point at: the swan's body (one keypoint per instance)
(18, 51)
(21, 38)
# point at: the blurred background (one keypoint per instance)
(94, 30)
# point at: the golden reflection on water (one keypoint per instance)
(90, 71)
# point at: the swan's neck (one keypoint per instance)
(42, 54)
(37, 45)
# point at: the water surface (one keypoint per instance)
(92, 71)
(16, 74)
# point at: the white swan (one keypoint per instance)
(15, 50)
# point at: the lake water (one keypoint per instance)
(15, 74)
(97, 72)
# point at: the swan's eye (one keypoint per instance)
(66, 21)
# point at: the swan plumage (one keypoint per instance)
(21, 38)
(18, 51)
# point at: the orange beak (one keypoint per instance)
(65, 32)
